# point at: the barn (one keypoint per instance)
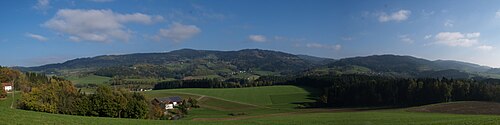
(7, 86)
(169, 102)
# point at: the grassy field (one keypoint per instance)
(260, 112)
(218, 103)
(264, 96)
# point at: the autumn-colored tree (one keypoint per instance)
(155, 110)
(3, 93)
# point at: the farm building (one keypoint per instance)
(169, 102)
(7, 86)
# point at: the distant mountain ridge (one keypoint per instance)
(245, 59)
(189, 62)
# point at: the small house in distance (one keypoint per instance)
(7, 86)
(169, 102)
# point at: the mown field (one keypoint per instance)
(217, 103)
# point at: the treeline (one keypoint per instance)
(228, 83)
(362, 90)
(60, 96)
(142, 71)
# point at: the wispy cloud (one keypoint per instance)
(448, 23)
(497, 14)
(197, 13)
(37, 37)
(323, 46)
(258, 38)
(397, 16)
(101, 1)
(347, 38)
(485, 47)
(406, 39)
(427, 13)
(427, 37)
(42, 5)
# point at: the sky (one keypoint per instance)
(38, 32)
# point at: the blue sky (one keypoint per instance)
(37, 32)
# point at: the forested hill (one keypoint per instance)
(247, 59)
(409, 66)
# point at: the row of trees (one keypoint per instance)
(60, 96)
(362, 90)
(228, 83)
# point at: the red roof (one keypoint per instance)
(6, 84)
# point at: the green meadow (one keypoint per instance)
(271, 105)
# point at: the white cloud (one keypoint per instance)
(457, 39)
(178, 32)
(406, 39)
(473, 35)
(427, 37)
(485, 47)
(497, 14)
(37, 37)
(398, 16)
(97, 25)
(42, 5)
(322, 46)
(448, 23)
(257, 38)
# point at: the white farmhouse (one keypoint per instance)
(169, 102)
(7, 86)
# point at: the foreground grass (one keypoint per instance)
(391, 117)
(267, 116)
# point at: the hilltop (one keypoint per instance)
(185, 62)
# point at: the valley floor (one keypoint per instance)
(262, 109)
